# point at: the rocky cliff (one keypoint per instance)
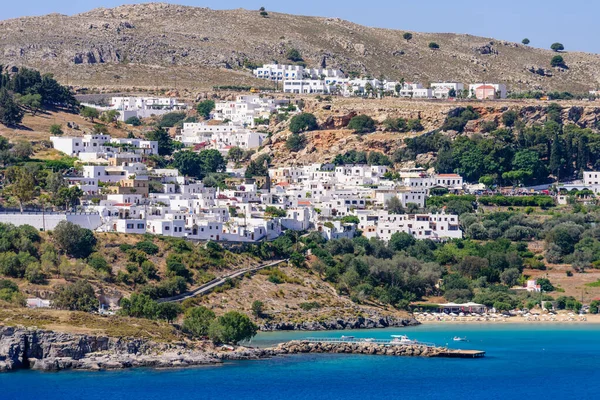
(28, 348)
(163, 45)
(369, 322)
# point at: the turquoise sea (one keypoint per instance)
(523, 361)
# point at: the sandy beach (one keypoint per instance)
(550, 318)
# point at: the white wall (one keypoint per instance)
(49, 221)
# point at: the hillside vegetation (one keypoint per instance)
(162, 45)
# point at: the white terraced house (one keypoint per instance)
(245, 109)
(220, 137)
(102, 144)
(382, 225)
(283, 72)
(441, 90)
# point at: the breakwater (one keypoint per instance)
(373, 348)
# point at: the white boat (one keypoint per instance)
(460, 339)
(347, 337)
(402, 339)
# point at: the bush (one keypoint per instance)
(139, 306)
(73, 240)
(257, 308)
(171, 119)
(293, 55)
(197, 321)
(303, 122)
(205, 107)
(78, 296)
(99, 263)
(557, 47)
(434, 45)
(295, 142)
(232, 327)
(313, 305)
(56, 129)
(557, 61)
(134, 121)
(147, 247)
(509, 118)
(362, 124)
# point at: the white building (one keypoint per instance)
(282, 72)
(97, 144)
(245, 109)
(486, 91)
(441, 90)
(382, 225)
(220, 137)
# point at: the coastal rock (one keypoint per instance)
(22, 348)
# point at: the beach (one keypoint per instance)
(496, 318)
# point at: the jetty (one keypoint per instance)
(373, 347)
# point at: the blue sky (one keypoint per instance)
(573, 22)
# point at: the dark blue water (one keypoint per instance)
(541, 361)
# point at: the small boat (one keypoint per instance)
(369, 340)
(460, 339)
(347, 337)
(402, 339)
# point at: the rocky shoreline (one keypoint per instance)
(24, 348)
(371, 322)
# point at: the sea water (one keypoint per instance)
(522, 361)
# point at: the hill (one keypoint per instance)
(161, 45)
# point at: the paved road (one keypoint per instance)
(209, 286)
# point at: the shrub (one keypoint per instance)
(171, 119)
(99, 263)
(257, 308)
(509, 118)
(73, 240)
(303, 122)
(134, 121)
(205, 107)
(197, 321)
(78, 296)
(557, 47)
(557, 61)
(147, 247)
(295, 142)
(362, 124)
(434, 45)
(313, 305)
(232, 327)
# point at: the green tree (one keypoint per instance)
(56, 129)
(525, 41)
(258, 308)
(556, 157)
(165, 143)
(434, 46)
(295, 142)
(133, 121)
(303, 122)
(197, 321)
(594, 307)
(74, 240)
(407, 36)
(78, 296)
(168, 311)
(509, 118)
(22, 149)
(22, 184)
(205, 107)
(414, 125)
(89, 113)
(557, 61)
(139, 306)
(557, 47)
(510, 277)
(171, 119)
(362, 124)
(10, 113)
(401, 241)
(297, 259)
(232, 327)
(32, 102)
(235, 154)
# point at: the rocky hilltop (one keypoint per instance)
(162, 45)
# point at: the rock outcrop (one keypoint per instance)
(22, 348)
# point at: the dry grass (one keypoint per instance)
(85, 323)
